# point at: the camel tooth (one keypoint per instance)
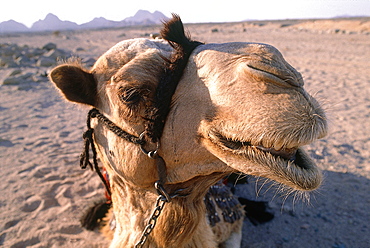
(278, 146)
(266, 143)
(292, 145)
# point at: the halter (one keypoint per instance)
(89, 143)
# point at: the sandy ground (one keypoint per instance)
(44, 192)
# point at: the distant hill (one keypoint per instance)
(100, 22)
(52, 22)
(145, 17)
(12, 26)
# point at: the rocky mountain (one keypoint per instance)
(145, 17)
(12, 26)
(100, 22)
(52, 22)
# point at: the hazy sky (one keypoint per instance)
(81, 11)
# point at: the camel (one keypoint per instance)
(236, 108)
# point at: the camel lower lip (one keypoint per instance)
(291, 167)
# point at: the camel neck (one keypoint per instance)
(182, 223)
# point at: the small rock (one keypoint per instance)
(305, 226)
(284, 25)
(9, 50)
(49, 46)
(7, 62)
(56, 54)
(40, 77)
(15, 72)
(12, 80)
(23, 60)
(35, 52)
(155, 35)
(45, 61)
(27, 53)
(27, 75)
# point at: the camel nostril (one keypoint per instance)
(277, 72)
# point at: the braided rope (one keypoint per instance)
(85, 155)
(94, 113)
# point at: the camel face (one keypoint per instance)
(261, 116)
(238, 107)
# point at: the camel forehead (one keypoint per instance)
(138, 45)
(128, 49)
(238, 49)
(125, 51)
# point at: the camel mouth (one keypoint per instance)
(287, 154)
(289, 166)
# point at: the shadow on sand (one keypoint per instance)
(337, 215)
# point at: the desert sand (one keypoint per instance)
(44, 192)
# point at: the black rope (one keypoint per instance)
(94, 113)
(85, 155)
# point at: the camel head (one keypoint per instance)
(239, 107)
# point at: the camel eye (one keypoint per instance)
(134, 95)
(130, 95)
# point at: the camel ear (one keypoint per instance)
(76, 84)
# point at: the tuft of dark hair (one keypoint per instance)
(95, 214)
(173, 31)
(256, 211)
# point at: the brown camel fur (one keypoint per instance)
(239, 107)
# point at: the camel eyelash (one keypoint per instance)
(132, 97)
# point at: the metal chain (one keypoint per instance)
(161, 201)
